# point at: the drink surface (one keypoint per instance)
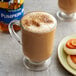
(10, 10)
(67, 6)
(38, 30)
(38, 22)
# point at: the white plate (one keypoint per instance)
(62, 55)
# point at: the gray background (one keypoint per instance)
(11, 52)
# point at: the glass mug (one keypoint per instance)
(68, 10)
(38, 30)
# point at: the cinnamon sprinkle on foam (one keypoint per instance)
(38, 22)
(45, 19)
(26, 22)
(35, 23)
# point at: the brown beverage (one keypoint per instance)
(67, 6)
(38, 29)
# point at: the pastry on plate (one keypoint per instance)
(71, 59)
(70, 47)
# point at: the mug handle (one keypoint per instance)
(12, 32)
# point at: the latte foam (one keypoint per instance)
(38, 22)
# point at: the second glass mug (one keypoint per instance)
(37, 47)
(68, 10)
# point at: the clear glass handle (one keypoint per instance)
(12, 32)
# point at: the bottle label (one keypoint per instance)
(10, 10)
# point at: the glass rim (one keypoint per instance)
(53, 18)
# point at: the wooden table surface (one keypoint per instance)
(11, 55)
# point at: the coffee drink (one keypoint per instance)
(67, 6)
(38, 29)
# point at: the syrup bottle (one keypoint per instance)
(10, 10)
